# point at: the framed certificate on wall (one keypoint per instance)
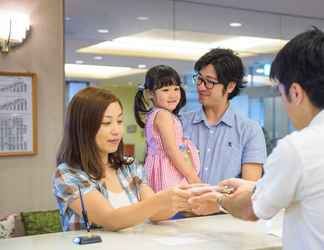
(18, 114)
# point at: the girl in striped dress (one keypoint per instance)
(171, 159)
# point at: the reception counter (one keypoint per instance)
(211, 232)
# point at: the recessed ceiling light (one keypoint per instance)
(141, 66)
(67, 18)
(181, 49)
(98, 72)
(79, 61)
(142, 18)
(98, 58)
(103, 31)
(235, 24)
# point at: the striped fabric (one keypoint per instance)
(161, 173)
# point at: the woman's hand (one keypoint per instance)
(175, 199)
(206, 203)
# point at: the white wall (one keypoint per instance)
(25, 182)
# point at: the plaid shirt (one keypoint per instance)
(65, 189)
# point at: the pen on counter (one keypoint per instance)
(84, 211)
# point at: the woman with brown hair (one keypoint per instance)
(90, 157)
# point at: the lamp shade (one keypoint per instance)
(14, 26)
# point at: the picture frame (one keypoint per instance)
(18, 114)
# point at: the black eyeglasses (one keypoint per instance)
(199, 79)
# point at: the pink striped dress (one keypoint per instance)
(161, 173)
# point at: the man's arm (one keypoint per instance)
(252, 171)
(254, 153)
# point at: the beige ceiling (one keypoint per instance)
(196, 21)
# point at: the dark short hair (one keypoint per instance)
(301, 60)
(157, 77)
(227, 65)
(83, 119)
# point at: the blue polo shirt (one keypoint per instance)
(224, 146)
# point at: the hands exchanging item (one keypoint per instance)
(200, 199)
(208, 199)
(232, 194)
(203, 199)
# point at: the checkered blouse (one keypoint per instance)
(65, 188)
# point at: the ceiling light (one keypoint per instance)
(145, 47)
(79, 61)
(250, 44)
(67, 18)
(184, 48)
(98, 58)
(141, 66)
(103, 31)
(98, 72)
(142, 18)
(259, 70)
(235, 24)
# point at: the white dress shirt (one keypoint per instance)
(294, 180)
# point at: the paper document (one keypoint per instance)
(181, 239)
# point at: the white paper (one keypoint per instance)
(16, 118)
(272, 230)
(182, 239)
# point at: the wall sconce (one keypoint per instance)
(14, 28)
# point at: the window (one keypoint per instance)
(72, 87)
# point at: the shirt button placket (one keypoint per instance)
(207, 157)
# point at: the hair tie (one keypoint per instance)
(141, 87)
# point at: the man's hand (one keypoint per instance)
(239, 203)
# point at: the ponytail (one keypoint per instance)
(141, 107)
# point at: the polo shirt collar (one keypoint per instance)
(227, 118)
(199, 116)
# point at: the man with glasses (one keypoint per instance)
(229, 145)
(294, 172)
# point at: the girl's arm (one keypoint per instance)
(102, 213)
(164, 125)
